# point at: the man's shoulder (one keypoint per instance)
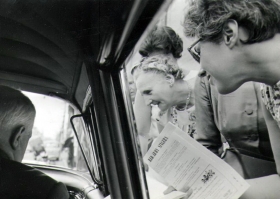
(10, 166)
(26, 179)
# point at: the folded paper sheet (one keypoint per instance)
(181, 162)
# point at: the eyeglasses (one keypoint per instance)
(193, 52)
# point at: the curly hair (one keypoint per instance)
(159, 64)
(206, 18)
(162, 38)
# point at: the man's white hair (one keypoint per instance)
(15, 109)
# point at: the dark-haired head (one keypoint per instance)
(162, 39)
(206, 18)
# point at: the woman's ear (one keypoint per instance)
(16, 136)
(230, 33)
(243, 34)
(170, 79)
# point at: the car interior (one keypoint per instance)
(74, 50)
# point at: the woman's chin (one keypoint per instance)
(162, 108)
(225, 89)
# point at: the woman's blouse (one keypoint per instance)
(184, 119)
(237, 116)
(271, 99)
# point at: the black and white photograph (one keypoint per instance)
(139, 99)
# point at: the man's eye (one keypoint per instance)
(147, 92)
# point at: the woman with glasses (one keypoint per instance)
(238, 41)
(164, 90)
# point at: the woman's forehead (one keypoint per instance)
(148, 80)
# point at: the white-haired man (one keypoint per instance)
(17, 180)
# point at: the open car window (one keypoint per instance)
(53, 141)
(172, 18)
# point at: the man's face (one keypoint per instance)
(222, 64)
(23, 142)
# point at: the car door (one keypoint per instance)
(120, 153)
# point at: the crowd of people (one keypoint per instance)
(231, 106)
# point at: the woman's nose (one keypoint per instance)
(147, 101)
(201, 73)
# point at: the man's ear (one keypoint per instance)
(170, 79)
(230, 33)
(16, 136)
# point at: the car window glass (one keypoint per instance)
(172, 18)
(53, 141)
